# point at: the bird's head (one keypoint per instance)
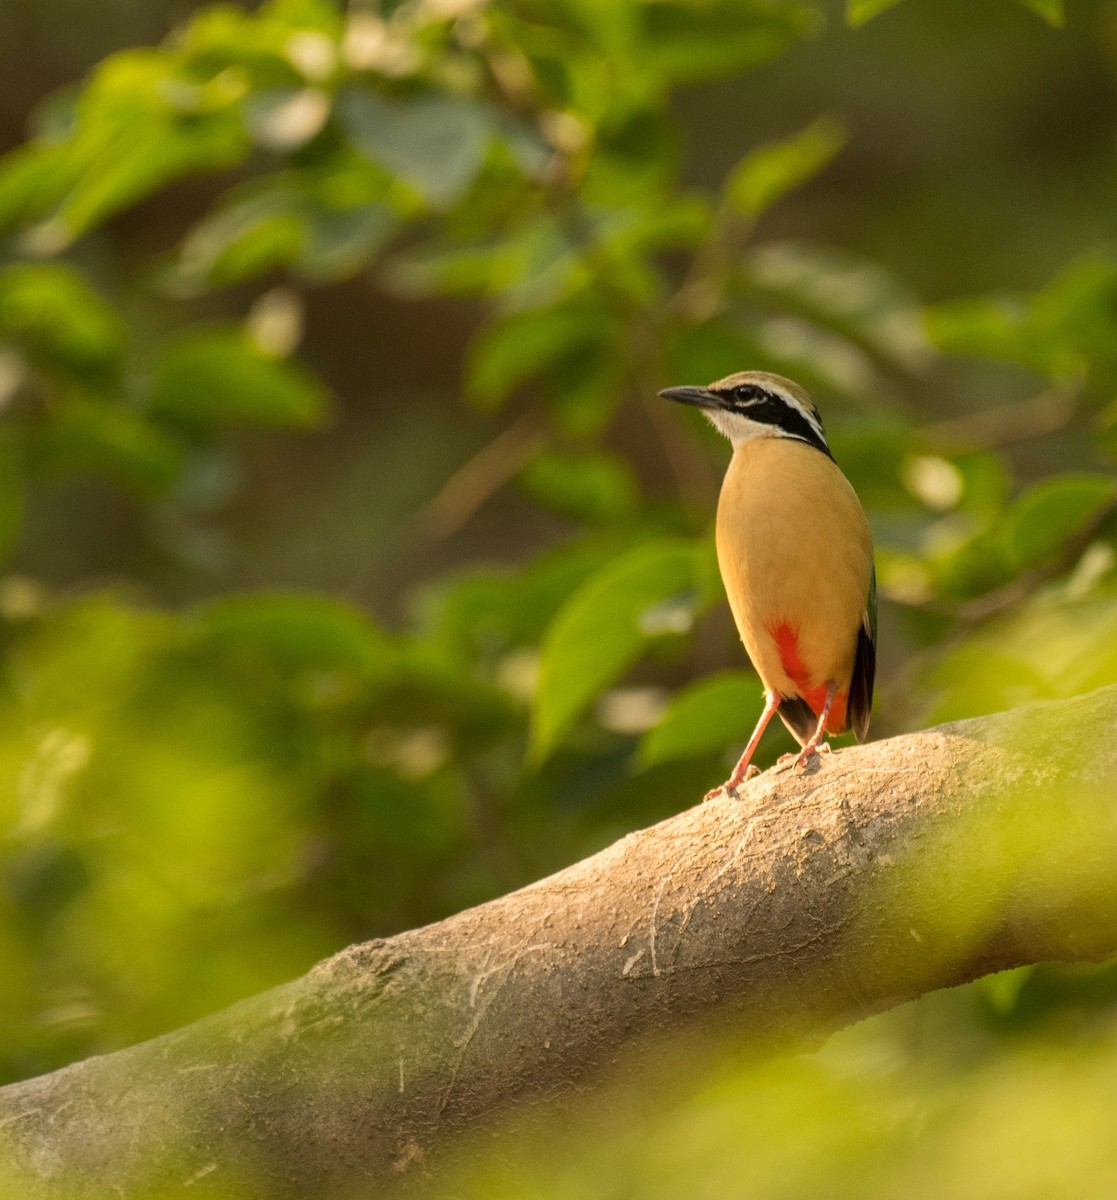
(754, 404)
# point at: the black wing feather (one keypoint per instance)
(796, 714)
(860, 702)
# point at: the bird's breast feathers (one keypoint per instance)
(796, 556)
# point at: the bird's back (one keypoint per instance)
(796, 556)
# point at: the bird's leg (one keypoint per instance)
(743, 770)
(811, 748)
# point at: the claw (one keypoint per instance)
(808, 754)
(730, 786)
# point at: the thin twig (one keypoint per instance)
(485, 473)
(1006, 424)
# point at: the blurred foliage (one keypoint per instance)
(859, 11)
(200, 801)
(920, 1102)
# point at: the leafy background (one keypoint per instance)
(353, 573)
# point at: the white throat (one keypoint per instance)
(739, 429)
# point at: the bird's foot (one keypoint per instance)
(808, 758)
(730, 786)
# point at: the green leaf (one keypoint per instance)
(584, 392)
(267, 46)
(139, 125)
(860, 11)
(33, 178)
(1052, 11)
(1064, 331)
(985, 484)
(136, 126)
(529, 267)
(140, 161)
(597, 487)
(771, 171)
(340, 241)
(717, 37)
(325, 228)
(970, 567)
(605, 626)
(705, 717)
(638, 228)
(1072, 321)
(986, 326)
(60, 323)
(436, 143)
(218, 376)
(843, 293)
(508, 353)
(634, 156)
(289, 631)
(93, 436)
(1039, 524)
(242, 240)
(483, 612)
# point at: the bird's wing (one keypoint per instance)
(864, 666)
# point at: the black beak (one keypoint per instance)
(700, 397)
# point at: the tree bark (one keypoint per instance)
(807, 902)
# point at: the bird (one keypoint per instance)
(796, 557)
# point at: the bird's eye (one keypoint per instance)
(747, 393)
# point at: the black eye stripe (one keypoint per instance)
(769, 408)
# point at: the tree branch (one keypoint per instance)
(810, 901)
